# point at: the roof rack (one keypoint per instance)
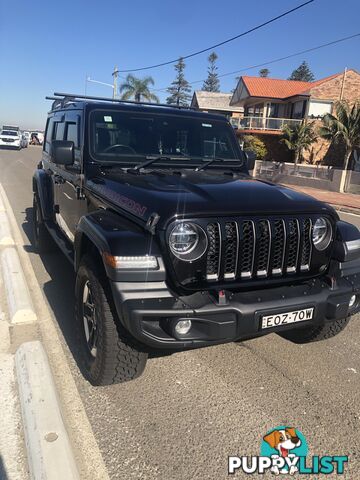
(61, 99)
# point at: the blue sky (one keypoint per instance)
(55, 45)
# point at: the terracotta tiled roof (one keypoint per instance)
(276, 88)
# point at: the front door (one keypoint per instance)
(70, 204)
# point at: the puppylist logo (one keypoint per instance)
(284, 450)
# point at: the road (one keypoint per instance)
(189, 411)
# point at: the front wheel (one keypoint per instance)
(317, 333)
(107, 352)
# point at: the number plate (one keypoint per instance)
(280, 319)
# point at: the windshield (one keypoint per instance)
(10, 133)
(126, 136)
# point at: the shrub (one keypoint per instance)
(254, 144)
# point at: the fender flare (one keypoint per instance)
(118, 236)
(41, 184)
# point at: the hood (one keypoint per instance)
(199, 194)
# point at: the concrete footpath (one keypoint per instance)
(44, 430)
(347, 202)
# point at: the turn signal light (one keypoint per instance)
(145, 262)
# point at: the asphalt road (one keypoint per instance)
(189, 411)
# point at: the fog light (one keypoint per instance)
(352, 301)
(182, 327)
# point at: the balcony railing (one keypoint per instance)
(261, 123)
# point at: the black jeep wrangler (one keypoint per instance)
(174, 245)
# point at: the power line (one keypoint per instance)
(253, 29)
(275, 60)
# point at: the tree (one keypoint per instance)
(344, 127)
(302, 73)
(212, 83)
(179, 89)
(138, 88)
(264, 72)
(298, 138)
(254, 144)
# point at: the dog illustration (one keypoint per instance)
(283, 441)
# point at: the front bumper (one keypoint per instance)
(15, 144)
(149, 310)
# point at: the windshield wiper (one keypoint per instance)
(214, 159)
(150, 161)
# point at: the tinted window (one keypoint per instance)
(9, 133)
(123, 136)
(72, 133)
(49, 135)
(58, 133)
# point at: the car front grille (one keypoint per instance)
(256, 249)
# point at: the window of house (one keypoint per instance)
(319, 109)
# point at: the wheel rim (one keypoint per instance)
(89, 319)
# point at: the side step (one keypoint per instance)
(61, 240)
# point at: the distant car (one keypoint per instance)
(24, 142)
(10, 139)
(27, 135)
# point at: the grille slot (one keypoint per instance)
(306, 245)
(231, 249)
(247, 249)
(263, 241)
(247, 244)
(213, 255)
(293, 245)
(278, 248)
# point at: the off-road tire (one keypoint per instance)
(43, 241)
(118, 357)
(315, 334)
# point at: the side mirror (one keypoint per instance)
(62, 152)
(250, 159)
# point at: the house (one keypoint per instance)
(271, 103)
(216, 102)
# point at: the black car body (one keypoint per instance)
(253, 256)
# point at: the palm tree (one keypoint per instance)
(298, 138)
(344, 127)
(138, 88)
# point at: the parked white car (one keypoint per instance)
(10, 139)
(27, 135)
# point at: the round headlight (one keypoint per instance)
(321, 233)
(187, 241)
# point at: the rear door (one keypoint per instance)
(70, 203)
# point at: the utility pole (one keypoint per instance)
(115, 75)
(343, 84)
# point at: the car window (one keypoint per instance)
(49, 135)
(72, 133)
(9, 133)
(118, 136)
(59, 131)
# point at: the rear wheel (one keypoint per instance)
(107, 352)
(315, 334)
(42, 239)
